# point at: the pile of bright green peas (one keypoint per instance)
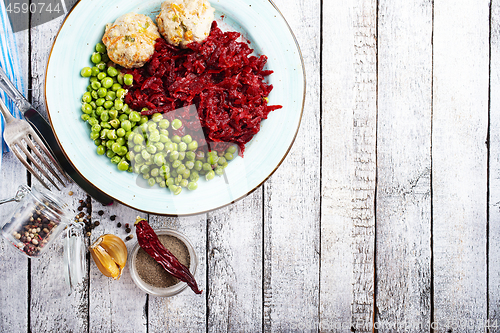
(140, 144)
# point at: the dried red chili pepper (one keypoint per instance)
(148, 241)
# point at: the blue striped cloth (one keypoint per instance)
(9, 61)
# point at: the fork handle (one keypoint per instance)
(6, 85)
(5, 112)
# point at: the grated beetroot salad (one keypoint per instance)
(218, 76)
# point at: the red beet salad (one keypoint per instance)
(219, 76)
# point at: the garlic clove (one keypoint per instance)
(110, 255)
(116, 248)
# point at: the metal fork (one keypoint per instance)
(18, 130)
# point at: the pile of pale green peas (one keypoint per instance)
(140, 144)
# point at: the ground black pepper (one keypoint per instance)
(153, 273)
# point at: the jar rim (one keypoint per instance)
(40, 194)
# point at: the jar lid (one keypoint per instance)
(75, 264)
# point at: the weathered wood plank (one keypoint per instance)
(292, 199)
(49, 293)
(348, 165)
(403, 230)
(235, 266)
(494, 175)
(185, 312)
(13, 266)
(115, 306)
(459, 164)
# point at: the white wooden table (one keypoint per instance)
(384, 216)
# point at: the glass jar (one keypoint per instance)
(37, 221)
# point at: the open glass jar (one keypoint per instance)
(37, 221)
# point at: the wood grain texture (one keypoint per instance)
(185, 312)
(348, 166)
(49, 292)
(292, 199)
(235, 266)
(494, 173)
(403, 229)
(13, 265)
(115, 306)
(459, 164)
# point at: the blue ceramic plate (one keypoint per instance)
(259, 21)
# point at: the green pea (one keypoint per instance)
(89, 88)
(155, 172)
(231, 149)
(176, 164)
(173, 173)
(94, 135)
(95, 85)
(110, 96)
(212, 159)
(207, 166)
(154, 137)
(189, 165)
(164, 138)
(199, 154)
(86, 108)
(125, 124)
(138, 139)
(176, 139)
(101, 150)
(181, 169)
(111, 135)
(94, 72)
(145, 169)
(108, 104)
(194, 176)
(176, 124)
(129, 155)
(159, 146)
(97, 142)
(120, 132)
(145, 155)
(130, 136)
(86, 72)
(123, 151)
(105, 115)
(100, 47)
(128, 79)
(99, 110)
(96, 57)
(176, 190)
(186, 174)
(94, 94)
(102, 92)
(192, 146)
(112, 71)
(110, 154)
(182, 146)
(134, 116)
(159, 159)
(144, 119)
(101, 76)
(119, 78)
(161, 183)
(190, 156)
(96, 128)
(87, 97)
(120, 93)
(219, 170)
(123, 165)
(106, 82)
(115, 159)
(101, 66)
(121, 141)
(157, 117)
(170, 181)
(184, 183)
(151, 149)
(182, 155)
(174, 155)
(228, 156)
(192, 186)
(113, 113)
(115, 147)
(198, 165)
(105, 124)
(210, 175)
(187, 139)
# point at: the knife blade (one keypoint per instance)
(44, 130)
